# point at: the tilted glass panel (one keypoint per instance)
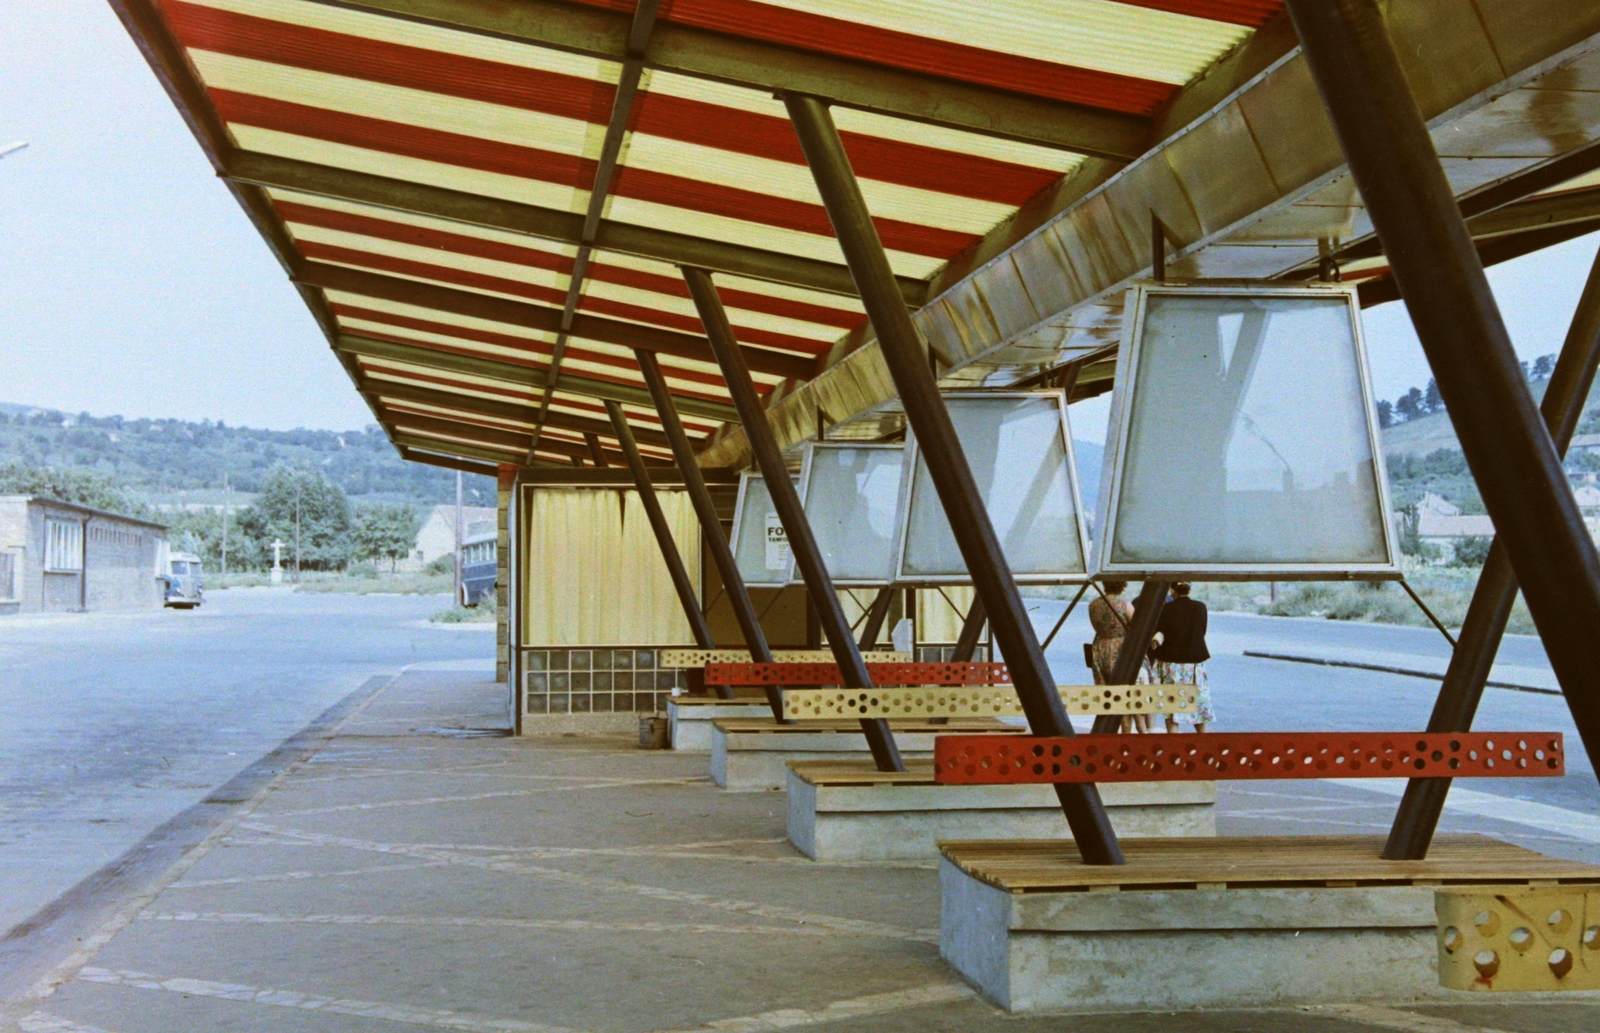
(852, 503)
(1018, 454)
(1248, 439)
(760, 547)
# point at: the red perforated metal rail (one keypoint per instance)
(882, 674)
(1183, 757)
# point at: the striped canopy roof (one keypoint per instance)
(485, 203)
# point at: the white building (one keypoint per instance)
(437, 536)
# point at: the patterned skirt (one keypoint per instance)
(1189, 674)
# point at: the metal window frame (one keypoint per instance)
(735, 533)
(909, 474)
(52, 552)
(809, 450)
(1135, 306)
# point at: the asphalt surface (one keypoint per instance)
(112, 724)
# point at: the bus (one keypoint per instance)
(480, 561)
(184, 590)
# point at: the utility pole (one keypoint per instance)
(297, 533)
(226, 495)
(460, 598)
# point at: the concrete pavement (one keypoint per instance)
(414, 871)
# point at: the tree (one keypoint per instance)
(385, 532)
(1543, 366)
(1409, 405)
(82, 487)
(323, 513)
(1385, 414)
(1430, 397)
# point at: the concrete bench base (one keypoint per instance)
(849, 811)
(1211, 923)
(689, 718)
(750, 753)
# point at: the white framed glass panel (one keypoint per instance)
(1243, 439)
(1020, 450)
(760, 546)
(851, 494)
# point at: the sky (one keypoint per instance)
(132, 283)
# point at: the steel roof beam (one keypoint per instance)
(506, 411)
(770, 68)
(449, 462)
(268, 170)
(537, 317)
(521, 376)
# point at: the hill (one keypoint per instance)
(167, 461)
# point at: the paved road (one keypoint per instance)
(112, 723)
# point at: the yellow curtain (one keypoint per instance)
(593, 574)
(937, 620)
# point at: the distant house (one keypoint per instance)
(437, 536)
(57, 556)
(1442, 524)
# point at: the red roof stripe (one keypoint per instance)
(548, 295)
(676, 118)
(499, 251)
(580, 354)
(915, 53)
(568, 170)
(1251, 13)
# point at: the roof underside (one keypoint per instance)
(485, 204)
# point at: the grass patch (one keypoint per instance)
(402, 583)
(483, 613)
(1446, 590)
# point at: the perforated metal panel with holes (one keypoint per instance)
(982, 701)
(1524, 938)
(882, 674)
(991, 760)
(701, 657)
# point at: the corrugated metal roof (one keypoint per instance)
(340, 90)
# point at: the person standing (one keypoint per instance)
(1181, 657)
(1109, 616)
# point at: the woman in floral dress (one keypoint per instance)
(1181, 657)
(1109, 616)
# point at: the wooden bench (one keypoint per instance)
(1219, 922)
(847, 810)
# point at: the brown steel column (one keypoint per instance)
(663, 530)
(873, 627)
(710, 524)
(1440, 276)
(1490, 609)
(906, 355)
(1135, 644)
(780, 488)
(971, 631)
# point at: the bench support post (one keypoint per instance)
(694, 482)
(1492, 599)
(907, 357)
(780, 489)
(1440, 275)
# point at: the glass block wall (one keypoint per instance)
(597, 681)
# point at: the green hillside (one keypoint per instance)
(166, 460)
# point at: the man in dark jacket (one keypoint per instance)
(1182, 654)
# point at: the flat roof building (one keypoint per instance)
(58, 556)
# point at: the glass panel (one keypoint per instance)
(759, 545)
(852, 503)
(1018, 456)
(1248, 439)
